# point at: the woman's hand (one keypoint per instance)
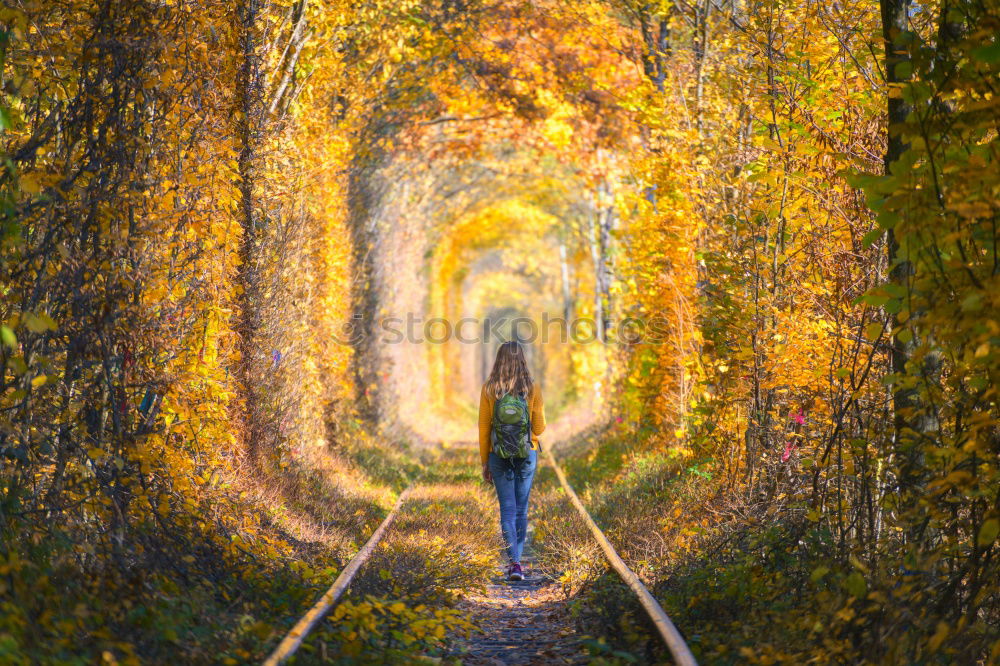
(487, 474)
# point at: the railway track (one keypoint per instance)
(679, 649)
(661, 621)
(293, 639)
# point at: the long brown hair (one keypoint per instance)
(510, 372)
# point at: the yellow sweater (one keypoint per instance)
(486, 403)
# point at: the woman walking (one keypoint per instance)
(511, 416)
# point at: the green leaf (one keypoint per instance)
(855, 584)
(869, 238)
(988, 533)
(7, 337)
(875, 300)
(873, 330)
(973, 302)
(49, 321)
(17, 365)
(38, 323)
(34, 323)
(894, 290)
(818, 573)
(989, 54)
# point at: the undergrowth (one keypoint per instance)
(213, 577)
(747, 575)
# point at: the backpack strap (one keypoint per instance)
(527, 406)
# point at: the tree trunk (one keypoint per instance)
(289, 59)
(249, 107)
(657, 46)
(895, 22)
(600, 252)
(566, 295)
(701, 16)
(913, 421)
(597, 259)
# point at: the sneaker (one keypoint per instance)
(515, 572)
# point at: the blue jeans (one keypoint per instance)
(512, 478)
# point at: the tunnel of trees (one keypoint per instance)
(753, 245)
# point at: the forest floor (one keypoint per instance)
(521, 622)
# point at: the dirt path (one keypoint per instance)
(447, 536)
(523, 622)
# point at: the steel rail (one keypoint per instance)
(668, 632)
(293, 639)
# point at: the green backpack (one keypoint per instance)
(511, 431)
